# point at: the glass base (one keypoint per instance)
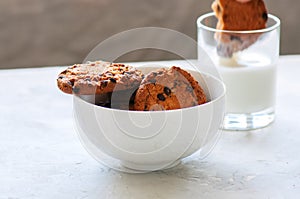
(249, 121)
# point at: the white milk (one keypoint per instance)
(250, 85)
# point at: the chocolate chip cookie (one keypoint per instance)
(168, 89)
(236, 16)
(98, 77)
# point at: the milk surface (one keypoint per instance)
(250, 84)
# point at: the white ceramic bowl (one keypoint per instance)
(148, 141)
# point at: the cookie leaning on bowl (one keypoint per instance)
(236, 16)
(168, 89)
(98, 77)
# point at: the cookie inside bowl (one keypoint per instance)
(163, 88)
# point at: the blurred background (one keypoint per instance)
(36, 33)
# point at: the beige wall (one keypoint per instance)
(60, 32)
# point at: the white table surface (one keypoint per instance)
(41, 156)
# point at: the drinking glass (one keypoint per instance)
(247, 65)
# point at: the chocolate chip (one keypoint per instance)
(145, 107)
(76, 90)
(96, 79)
(167, 91)
(161, 97)
(71, 82)
(60, 77)
(103, 84)
(113, 80)
(88, 79)
(219, 8)
(265, 16)
(154, 74)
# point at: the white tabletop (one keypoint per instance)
(41, 156)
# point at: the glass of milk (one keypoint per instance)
(247, 67)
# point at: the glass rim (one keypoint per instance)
(268, 29)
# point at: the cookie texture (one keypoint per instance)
(168, 89)
(236, 16)
(98, 77)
